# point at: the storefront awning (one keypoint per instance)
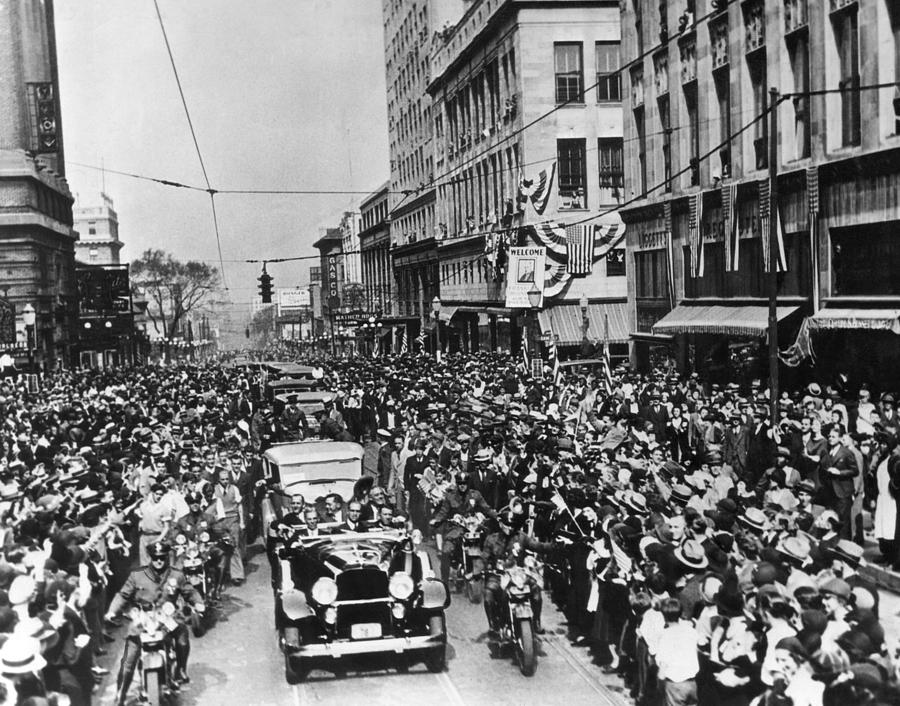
(447, 312)
(728, 320)
(866, 319)
(565, 321)
(486, 310)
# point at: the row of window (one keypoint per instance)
(569, 72)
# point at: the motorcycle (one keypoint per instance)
(157, 657)
(200, 569)
(468, 566)
(517, 627)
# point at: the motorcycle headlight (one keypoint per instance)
(324, 591)
(518, 578)
(401, 586)
(204, 537)
(168, 609)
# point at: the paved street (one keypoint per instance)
(239, 663)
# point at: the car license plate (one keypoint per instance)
(365, 631)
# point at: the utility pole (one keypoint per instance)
(773, 256)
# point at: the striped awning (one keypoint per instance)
(848, 319)
(564, 320)
(717, 319)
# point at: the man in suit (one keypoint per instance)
(736, 444)
(353, 523)
(761, 446)
(838, 473)
(658, 416)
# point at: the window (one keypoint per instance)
(641, 129)
(651, 275)
(569, 78)
(865, 259)
(723, 100)
(757, 66)
(612, 168)
(615, 263)
(609, 86)
(572, 175)
(799, 55)
(93, 253)
(846, 32)
(92, 231)
(690, 100)
(666, 123)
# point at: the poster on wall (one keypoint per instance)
(525, 275)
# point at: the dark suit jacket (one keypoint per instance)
(842, 459)
(659, 417)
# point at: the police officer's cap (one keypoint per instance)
(159, 550)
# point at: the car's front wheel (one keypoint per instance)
(436, 661)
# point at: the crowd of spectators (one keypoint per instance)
(688, 515)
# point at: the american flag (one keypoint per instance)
(729, 218)
(404, 345)
(420, 339)
(765, 223)
(525, 347)
(580, 246)
(554, 359)
(541, 193)
(695, 233)
(607, 367)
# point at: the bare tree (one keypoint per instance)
(173, 289)
(262, 326)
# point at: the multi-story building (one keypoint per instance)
(375, 251)
(332, 277)
(349, 229)
(523, 90)
(410, 27)
(97, 224)
(697, 144)
(37, 241)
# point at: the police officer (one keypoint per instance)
(503, 549)
(460, 500)
(151, 587)
(194, 524)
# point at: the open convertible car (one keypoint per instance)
(356, 593)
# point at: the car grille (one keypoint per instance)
(362, 585)
(349, 615)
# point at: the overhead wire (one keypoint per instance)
(576, 99)
(187, 113)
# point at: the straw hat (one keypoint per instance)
(20, 655)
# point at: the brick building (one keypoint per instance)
(692, 140)
(520, 88)
(37, 240)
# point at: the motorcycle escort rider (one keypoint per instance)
(194, 524)
(503, 549)
(460, 500)
(153, 586)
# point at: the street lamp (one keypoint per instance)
(534, 301)
(28, 316)
(436, 309)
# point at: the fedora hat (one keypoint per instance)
(755, 519)
(636, 502)
(681, 493)
(847, 551)
(20, 655)
(795, 548)
(692, 555)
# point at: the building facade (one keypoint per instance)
(349, 229)
(37, 241)
(375, 251)
(97, 223)
(331, 264)
(528, 131)
(698, 144)
(411, 27)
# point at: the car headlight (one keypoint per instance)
(401, 585)
(324, 591)
(518, 578)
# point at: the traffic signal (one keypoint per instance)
(265, 286)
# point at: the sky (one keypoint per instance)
(283, 94)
